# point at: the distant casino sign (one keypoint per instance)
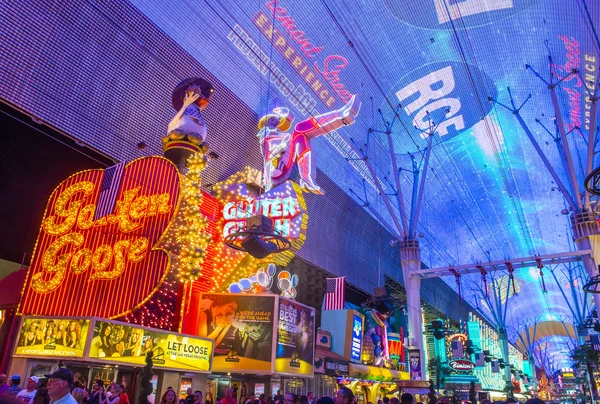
(442, 92)
(93, 261)
(462, 365)
(444, 14)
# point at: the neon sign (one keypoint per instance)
(281, 210)
(80, 255)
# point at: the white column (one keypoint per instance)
(411, 264)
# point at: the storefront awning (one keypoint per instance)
(11, 286)
(366, 372)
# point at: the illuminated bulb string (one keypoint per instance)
(186, 242)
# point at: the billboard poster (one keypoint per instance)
(295, 338)
(414, 360)
(357, 335)
(117, 342)
(62, 337)
(240, 325)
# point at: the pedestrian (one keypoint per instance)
(303, 399)
(344, 396)
(80, 395)
(190, 396)
(394, 400)
(311, 398)
(406, 398)
(3, 385)
(29, 392)
(59, 387)
(198, 397)
(228, 399)
(325, 400)
(14, 387)
(278, 397)
(115, 394)
(97, 396)
(124, 399)
(168, 397)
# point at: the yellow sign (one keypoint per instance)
(63, 337)
(124, 343)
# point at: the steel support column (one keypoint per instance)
(410, 256)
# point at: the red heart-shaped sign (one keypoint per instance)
(88, 263)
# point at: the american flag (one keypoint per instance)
(109, 190)
(495, 367)
(479, 360)
(335, 294)
(457, 349)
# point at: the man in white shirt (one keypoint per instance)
(26, 395)
(59, 387)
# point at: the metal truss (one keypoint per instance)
(504, 265)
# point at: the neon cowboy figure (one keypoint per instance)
(281, 150)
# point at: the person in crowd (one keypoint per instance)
(379, 401)
(311, 398)
(124, 396)
(406, 398)
(115, 394)
(535, 400)
(182, 401)
(279, 397)
(386, 400)
(243, 394)
(394, 400)
(14, 387)
(209, 398)
(303, 399)
(262, 399)
(169, 388)
(3, 385)
(28, 393)
(59, 387)
(228, 399)
(97, 396)
(169, 397)
(344, 396)
(189, 399)
(270, 400)
(198, 397)
(80, 395)
(325, 400)
(290, 398)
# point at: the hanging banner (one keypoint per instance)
(117, 342)
(99, 243)
(240, 325)
(357, 335)
(414, 359)
(45, 337)
(295, 336)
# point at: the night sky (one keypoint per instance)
(33, 164)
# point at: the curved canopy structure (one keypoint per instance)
(445, 67)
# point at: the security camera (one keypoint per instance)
(393, 243)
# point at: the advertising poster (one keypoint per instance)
(414, 359)
(357, 335)
(124, 343)
(61, 337)
(295, 336)
(242, 328)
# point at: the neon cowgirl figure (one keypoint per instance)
(281, 150)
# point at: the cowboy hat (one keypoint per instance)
(206, 89)
(281, 113)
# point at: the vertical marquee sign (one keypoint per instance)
(91, 264)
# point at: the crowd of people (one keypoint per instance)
(61, 387)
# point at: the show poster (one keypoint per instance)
(124, 343)
(242, 328)
(295, 338)
(62, 337)
(414, 359)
